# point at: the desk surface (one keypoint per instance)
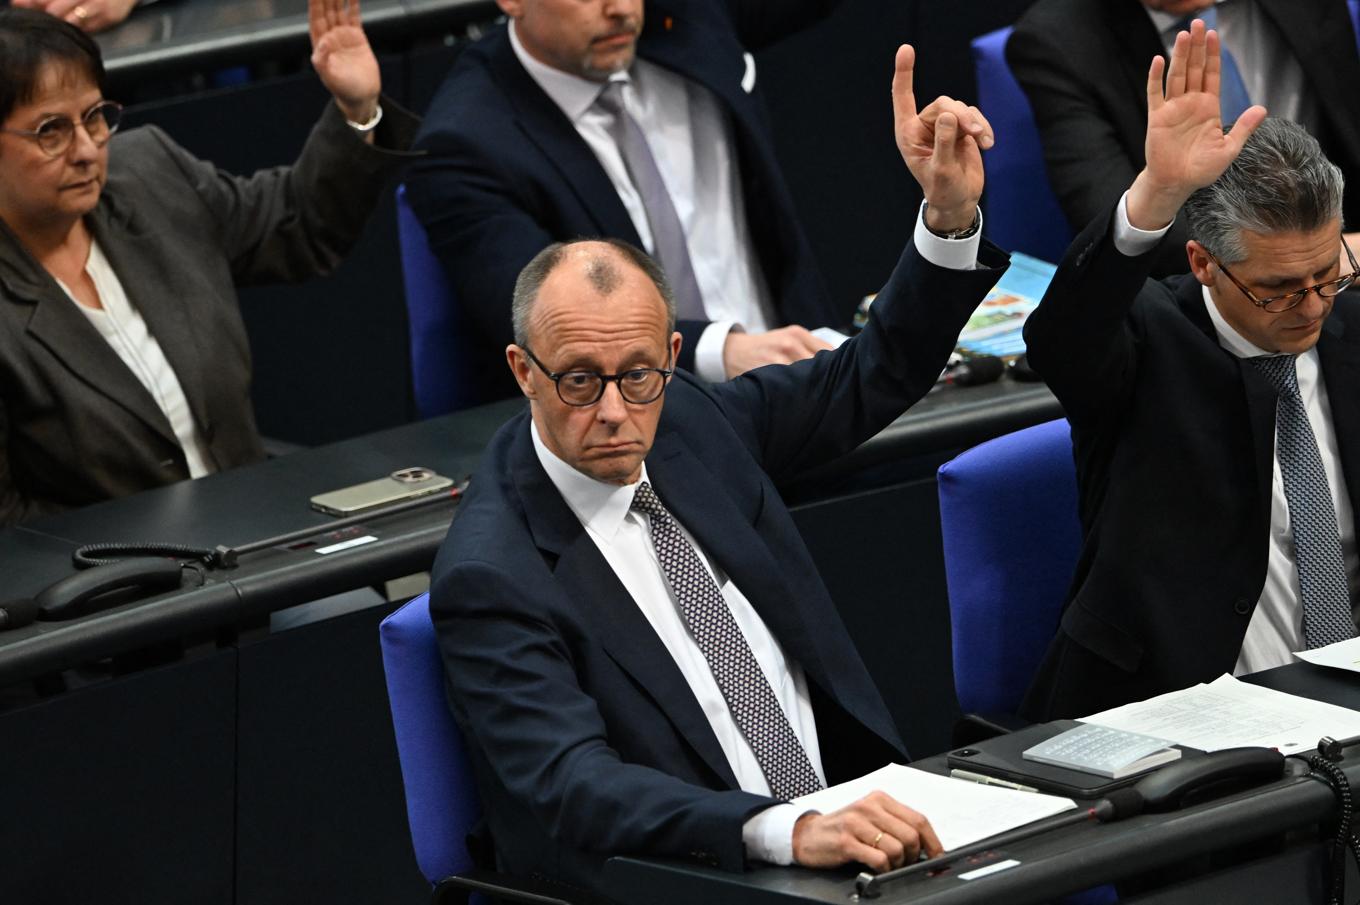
(206, 34)
(271, 498)
(1051, 865)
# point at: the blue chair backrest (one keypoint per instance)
(1020, 210)
(441, 796)
(442, 371)
(1008, 512)
(1354, 6)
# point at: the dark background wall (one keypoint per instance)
(331, 355)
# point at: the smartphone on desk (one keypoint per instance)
(403, 484)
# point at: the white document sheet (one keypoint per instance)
(960, 811)
(1227, 713)
(1341, 655)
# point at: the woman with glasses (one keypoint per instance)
(123, 359)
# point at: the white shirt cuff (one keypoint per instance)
(708, 352)
(768, 836)
(1129, 239)
(953, 254)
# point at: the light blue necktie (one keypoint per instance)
(1233, 98)
(1312, 517)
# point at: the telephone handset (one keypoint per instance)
(97, 589)
(1199, 777)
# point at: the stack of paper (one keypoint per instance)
(1227, 713)
(961, 812)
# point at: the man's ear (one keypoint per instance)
(1199, 262)
(512, 8)
(676, 341)
(520, 366)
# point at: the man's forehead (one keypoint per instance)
(593, 285)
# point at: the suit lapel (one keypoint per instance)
(725, 532)
(1339, 354)
(136, 258)
(1138, 40)
(56, 324)
(544, 124)
(1322, 39)
(1260, 395)
(621, 628)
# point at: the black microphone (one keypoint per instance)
(1119, 804)
(975, 371)
(17, 613)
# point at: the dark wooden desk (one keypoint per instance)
(1178, 845)
(259, 768)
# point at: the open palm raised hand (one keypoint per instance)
(1186, 146)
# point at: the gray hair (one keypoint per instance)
(602, 271)
(1281, 182)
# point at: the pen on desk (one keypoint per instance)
(989, 780)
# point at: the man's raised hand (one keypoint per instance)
(1186, 145)
(942, 147)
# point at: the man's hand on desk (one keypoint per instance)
(87, 15)
(744, 351)
(875, 831)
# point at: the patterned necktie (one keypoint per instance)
(1312, 517)
(1233, 98)
(668, 236)
(743, 685)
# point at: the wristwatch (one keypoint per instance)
(966, 233)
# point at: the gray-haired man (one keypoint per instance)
(1214, 416)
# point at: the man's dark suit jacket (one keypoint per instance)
(585, 738)
(1174, 440)
(1084, 65)
(76, 425)
(508, 174)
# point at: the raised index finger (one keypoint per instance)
(904, 98)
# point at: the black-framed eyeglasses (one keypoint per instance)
(55, 134)
(1279, 303)
(580, 388)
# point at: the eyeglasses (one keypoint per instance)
(55, 134)
(1278, 303)
(580, 388)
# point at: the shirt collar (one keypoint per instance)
(571, 93)
(1228, 337)
(1165, 22)
(599, 506)
(1307, 364)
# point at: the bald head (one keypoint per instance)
(603, 264)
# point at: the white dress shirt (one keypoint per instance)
(122, 326)
(1276, 627)
(1269, 69)
(692, 141)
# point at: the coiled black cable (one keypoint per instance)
(91, 555)
(1329, 773)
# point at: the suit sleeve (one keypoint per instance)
(516, 696)
(15, 505)
(798, 416)
(294, 222)
(1081, 338)
(1088, 165)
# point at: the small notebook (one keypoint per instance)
(1112, 753)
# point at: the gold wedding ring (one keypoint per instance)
(876, 838)
(81, 13)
